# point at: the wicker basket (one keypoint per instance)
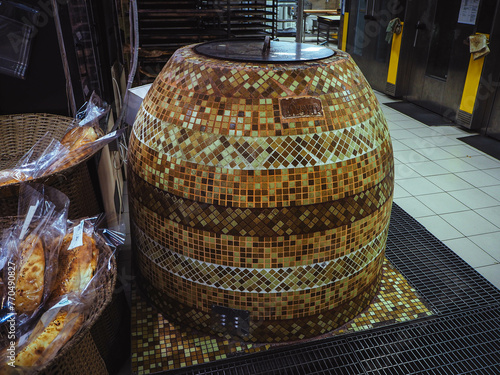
(18, 134)
(80, 355)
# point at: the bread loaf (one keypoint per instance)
(54, 330)
(11, 176)
(79, 136)
(31, 275)
(74, 140)
(76, 266)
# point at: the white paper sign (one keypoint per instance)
(468, 12)
(77, 239)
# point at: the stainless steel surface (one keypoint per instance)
(244, 50)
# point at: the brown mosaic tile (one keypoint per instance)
(263, 222)
(260, 252)
(196, 91)
(159, 345)
(269, 319)
(263, 188)
(290, 292)
(260, 195)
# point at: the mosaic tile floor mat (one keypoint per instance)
(158, 345)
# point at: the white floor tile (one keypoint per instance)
(452, 188)
(410, 124)
(383, 98)
(483, 162)
(419, 186)
(493, 191)
(489, 243)
(399, 192)
(398, 146)
(442, 203)
(398, 116)
(440, 228)
(388, 110)
(474, 198)
(470, 223)
(414, 207)
(495, 173)
(443, 141)
(491, 273)
(450, 130)
(449, 182)
(401, 134)
(402, 172)
(470, 252)
(409, 156)
(461, 150)
(393, 126)
(456, 165)
(428, 168)
(417, 143)
(435, 153)
(425, 132)
(492, 214)
(479, 178)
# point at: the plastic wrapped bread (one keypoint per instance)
(31, 277)
(76, 264)
(47, 339)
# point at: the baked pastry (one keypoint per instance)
(79, 143)
(31, 353)
(31, 275)
(76, 266)
(79, 136)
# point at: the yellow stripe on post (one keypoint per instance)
(394, 59)
(471, 84)
(344, 31)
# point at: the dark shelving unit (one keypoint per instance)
(165, 26)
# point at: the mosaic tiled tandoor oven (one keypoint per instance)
(260, 195)
(158, 345)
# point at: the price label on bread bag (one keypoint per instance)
(50, 314)
(77, 239)
(27, 221)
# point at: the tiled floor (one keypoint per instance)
(450, 187)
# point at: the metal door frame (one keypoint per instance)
(376, 17)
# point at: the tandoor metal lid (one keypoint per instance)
(263, 51)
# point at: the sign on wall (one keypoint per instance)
(468, 12)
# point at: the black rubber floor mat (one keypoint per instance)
(485, 144)
(463, 337)
(418, 113)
